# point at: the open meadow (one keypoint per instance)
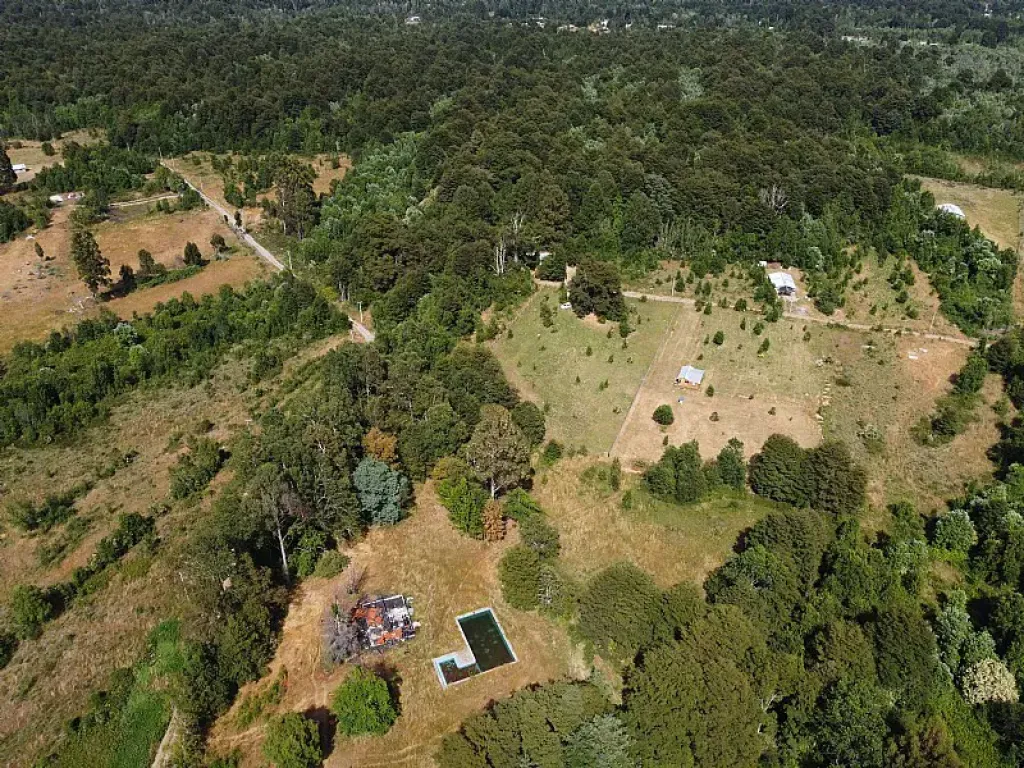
(30, 153)
(38, 296)
(586, 396)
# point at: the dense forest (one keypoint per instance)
(715, 134)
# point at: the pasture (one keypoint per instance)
(586, 396)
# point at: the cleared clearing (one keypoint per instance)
(31, 152)
(40, 296)
(754, 395)
(544, 364)
(446, 574)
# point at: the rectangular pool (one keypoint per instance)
(486, 648)
(486, 640)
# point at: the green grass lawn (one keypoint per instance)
(586, 395)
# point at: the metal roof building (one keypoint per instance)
(690, 375)
(953, 210)
(783, 283)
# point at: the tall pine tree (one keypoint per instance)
(8, 178)
(93, 268)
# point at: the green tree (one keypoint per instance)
(93, 268)
(383, 491)
(777, 472)
(641, 222)
(850, 727)
(719, 338)
(663, 415)
(193, 257)
(29, 610)
(147, 264)
(530, 419)
(537, 534)
(602, 742)
(295, 198)
(520, 571)
(732, 468)
(597, 288)
(293, 741)
(498, 451)
(465, 501)
(8, 178)
(620, 611)
(363, 704)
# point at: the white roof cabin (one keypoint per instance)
(690, 375)
(19, 167)
(783, 282)
(952, 210)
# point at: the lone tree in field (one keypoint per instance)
(293, 741)
(8, 178)
(498, 452)
(193, 257)
(363, 704)
(663, 415)
(93, 268)
(147, 264)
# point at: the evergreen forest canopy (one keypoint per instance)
(479, 143)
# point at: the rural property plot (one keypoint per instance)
(587, 396)
(754, 395)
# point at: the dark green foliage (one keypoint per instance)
(93, 268)
(192, 256)
(824, 477)
(552, 268)
(551, 725)
(8, 178)
(620, 611)
(520, 573)
(55, 390)
(597, 289)
(694, 701)
(54, 510)
(13, 221)
(540, 536)
(731, 466)
(197, 468)
(8, 645)
(363, 704)
(29, 610)
(520, 506)
(680, 475)
(529, 418)
(293, 741)
(851, 725)
(663, 415)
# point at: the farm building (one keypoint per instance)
(19, 168)
(384, 622)
(783, 282)
(953, 210)
(690, 376)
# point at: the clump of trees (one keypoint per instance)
(597, 289)
(825, 478)
(293, 741)
(680, 475)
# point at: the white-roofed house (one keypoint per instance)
(19, 167)
(953, 210)
(783, 282)
(690, 376)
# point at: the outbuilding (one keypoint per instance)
(19, 168)
(690, 376)
(953, 210)
(783, 282)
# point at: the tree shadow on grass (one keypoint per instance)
(327, 725)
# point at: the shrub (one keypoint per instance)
(293, 741)
(537, 534)
(519, 505)
(520, 571)
(663, 415)
(363, 704)
(29, 610)
(552, 452)
(464, 500)
(529, 418)
(954, 532)
(196, 469)
(710, 391)
(719, 338)
(8, 645)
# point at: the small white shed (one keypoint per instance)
(690, 376)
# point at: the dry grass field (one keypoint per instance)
(50, 678)
(671, 542)
(39, 296)
(544, 363)
(31, 153)
(446, 574)
(754, 395)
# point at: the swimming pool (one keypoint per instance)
(486, 648)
